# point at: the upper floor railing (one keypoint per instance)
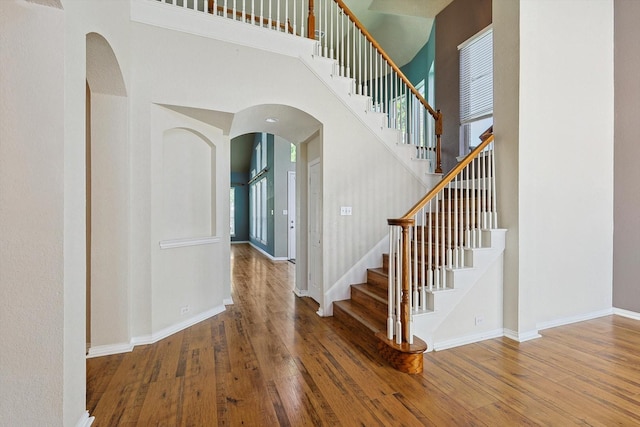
(343, 38)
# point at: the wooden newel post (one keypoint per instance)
(405, 309)
(438, 142)
(311, 22)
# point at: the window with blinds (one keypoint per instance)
(476, 88)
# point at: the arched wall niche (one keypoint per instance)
(188, 184)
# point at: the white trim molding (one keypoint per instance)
(228, 301)
(85, 420)
(626, 313)
(574, 319)
(521, 336)
(300, 292)
(108, 350)
(268, 255)
(469, 339)
(190, 241)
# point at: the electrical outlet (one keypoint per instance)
(184, 310)
(345, 210)
(479, 320)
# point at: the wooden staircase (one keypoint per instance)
(365, 315)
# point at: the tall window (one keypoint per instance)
(476, 88)
(258, 192)
(419, 117)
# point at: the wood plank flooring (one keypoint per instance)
(269, 360)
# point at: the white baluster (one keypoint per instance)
(302, 20)
(390, 282)
(398, 293)
(233, 11)
(326, 28)
(331, 9)
(278, 15)
(224, 11)
(430, 246)
(423, 277)
(493, 179)
(342, 45)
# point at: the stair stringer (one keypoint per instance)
(326, 69)
(461, 280)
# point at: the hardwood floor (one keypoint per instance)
(269, 360)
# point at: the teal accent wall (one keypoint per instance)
(240, 184)
(418, 68)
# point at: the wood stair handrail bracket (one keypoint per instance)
(436, 114)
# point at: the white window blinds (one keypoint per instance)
(476, 77)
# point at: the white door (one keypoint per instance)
(291, 214)
(315, 232)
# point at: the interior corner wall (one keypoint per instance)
(189, 280)
(281, 165)
(36, 341)
(454, 24)
(565, 158)
(626, 290)
(110, 220)
(518, 313)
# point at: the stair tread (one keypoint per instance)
(361, 314)
(380, 270)
(374, 291)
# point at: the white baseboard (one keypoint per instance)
(626, 313)
(85, 420)
(521, 336)
(239, 242)
(228, 301)
(301, 292)
(469, 339)
(107, 350)
(268, 255)
(574, 319)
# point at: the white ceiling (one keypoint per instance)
(401, 27)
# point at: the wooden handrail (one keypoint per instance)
(436, 114)
(247, 16)
(447, 179)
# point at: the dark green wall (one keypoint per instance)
(418, 68)
(240, 182)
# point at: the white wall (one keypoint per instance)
(109, 220)
(518, 314)
(234, 89)
(33, 286)
(566, 158)
(194, 276)
(282, 165)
